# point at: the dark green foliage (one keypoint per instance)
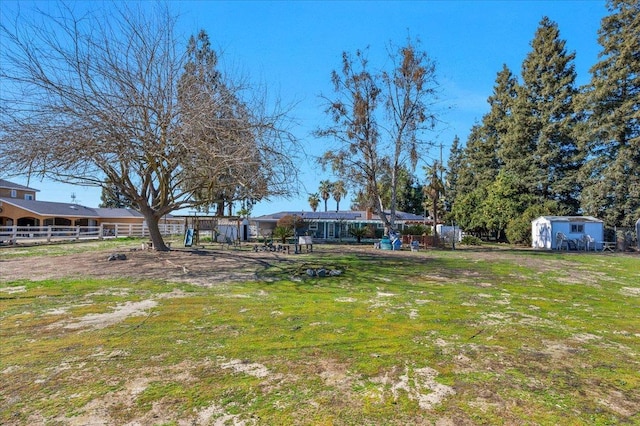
(112, 197)
(362, 232)
(468, 212)
(519, 229)
(540, 148)
(470, 240)
(524, 153)
(282, 233)
(612, 101)
(453, 173)
(417, 230)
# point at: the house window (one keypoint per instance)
(28, 196)
(14, 193)
(313, 226)
(577, 228)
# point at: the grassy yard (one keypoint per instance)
(465, 337)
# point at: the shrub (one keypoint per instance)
(282, 233)
(359, 233)
(417, 230)
(470, 240)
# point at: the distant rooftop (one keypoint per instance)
(10, 185)
(350, 215)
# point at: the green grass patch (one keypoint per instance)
(470, 336)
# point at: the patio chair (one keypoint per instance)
(561, 239)
(588, 242)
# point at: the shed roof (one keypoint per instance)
(585, 219)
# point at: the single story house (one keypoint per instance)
(19, 207)
(556, 232)
(330, 225)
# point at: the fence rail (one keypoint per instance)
(15, 234)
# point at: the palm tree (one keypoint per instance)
(314, 201)
(325, 191)
(338, 191)
(433, 190)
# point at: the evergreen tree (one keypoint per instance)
(111, 197)
(481, 160)
(502, 204)
(433, 191)
(411, 196)
(612, 105)
(540, 149)
(452, 173)
(467, 211)
(496, 123)
(487, 140)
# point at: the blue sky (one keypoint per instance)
(291, 47)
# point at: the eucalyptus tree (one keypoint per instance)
(380, 120)
(99, 99)
(612, 105)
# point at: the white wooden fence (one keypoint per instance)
(16, 234)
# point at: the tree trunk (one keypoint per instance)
(379, 209)
(154, 231)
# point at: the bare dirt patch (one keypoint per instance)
(200, 267)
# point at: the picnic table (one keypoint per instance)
(609, 246)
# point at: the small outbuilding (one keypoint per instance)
(638, 232)
(567, 232)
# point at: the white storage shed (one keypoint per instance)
(567, 232)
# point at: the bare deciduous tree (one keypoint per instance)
(113, 98)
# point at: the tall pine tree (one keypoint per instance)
(612, 104)
(453, 173)
(480, 162)
(540, 150)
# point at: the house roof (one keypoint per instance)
(10, 185)
(55, 209)
(585, 219)
(346, 215)
(116, 213)
(50, 208)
